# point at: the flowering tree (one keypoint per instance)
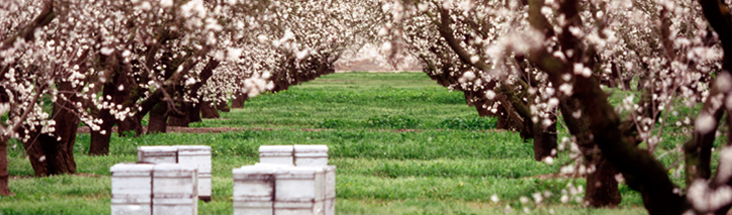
(112, 62)
(419, 29)
(561, 52)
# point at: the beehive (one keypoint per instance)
(157, 154)
(299, 190)
(311, 155)
(174, 189)
(330, 188)
(279, 154)
(199, 157)
(253, 190)
(131, 189)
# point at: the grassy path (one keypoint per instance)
(451, 165)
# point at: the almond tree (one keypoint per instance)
(570, 47)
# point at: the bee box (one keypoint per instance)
(254, 190)
(330, 190)
(299, 184)
(281, 154)
(131, 189)
(311, 155)
(157, 154)
(199, 157)
(175, 189)
(299, 208)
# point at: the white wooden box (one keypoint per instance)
(299, 208)
(311, 155)
(254, 190)
(199, 157)
(330, 190)
(131, 206)
(298, 184)
(157, 154)
(330, 206)
(276, 154)
(253, 208)
(175, 189)
(131, 188)
(166, 206)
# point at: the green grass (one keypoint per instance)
(402, 145)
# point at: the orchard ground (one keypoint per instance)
(402, 145)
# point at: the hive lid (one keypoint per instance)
(298, 172)
(276, 149)
(311, 149)
(255, 169)
(131, 168)
(194, 149)
(157, 149)
(173, 167)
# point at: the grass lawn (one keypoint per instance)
(402, 145)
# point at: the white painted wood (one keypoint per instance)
(295, 184)
(254, 189)
(311, 155)
(177, 206)
(329, 206)
(330, 190)
(131, 206)
(276, 154)
(131, 189)
(175, 189)
(253, 208)
(157, 154)
(330, 182)
(200, 157)
(299, 208)
(254, 183)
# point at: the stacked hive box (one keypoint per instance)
(174, 189)
(189, 155)
(330, 194)
(310, 155)
(131, 189)
(154, 189)
(199, 157)
(253, 190)
(301, 182)
(157, 154)
(299, 191)
(276, 154)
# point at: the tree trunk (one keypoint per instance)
(158, 119)
(4, 173)
(208, 111)
(545, 140)
(182, 120)
(54, 154)
(238, 101)
(194, 112)
(130, 126)
(602, 188)
(99, 143)
(223, 106)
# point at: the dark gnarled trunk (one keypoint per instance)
(130, 126)
(52, 153)
(158, 119)
(545, 140)
(182, 120)
(4, 173)
(238, 101)
(208, 111)
(223, 106)
(602, 187)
